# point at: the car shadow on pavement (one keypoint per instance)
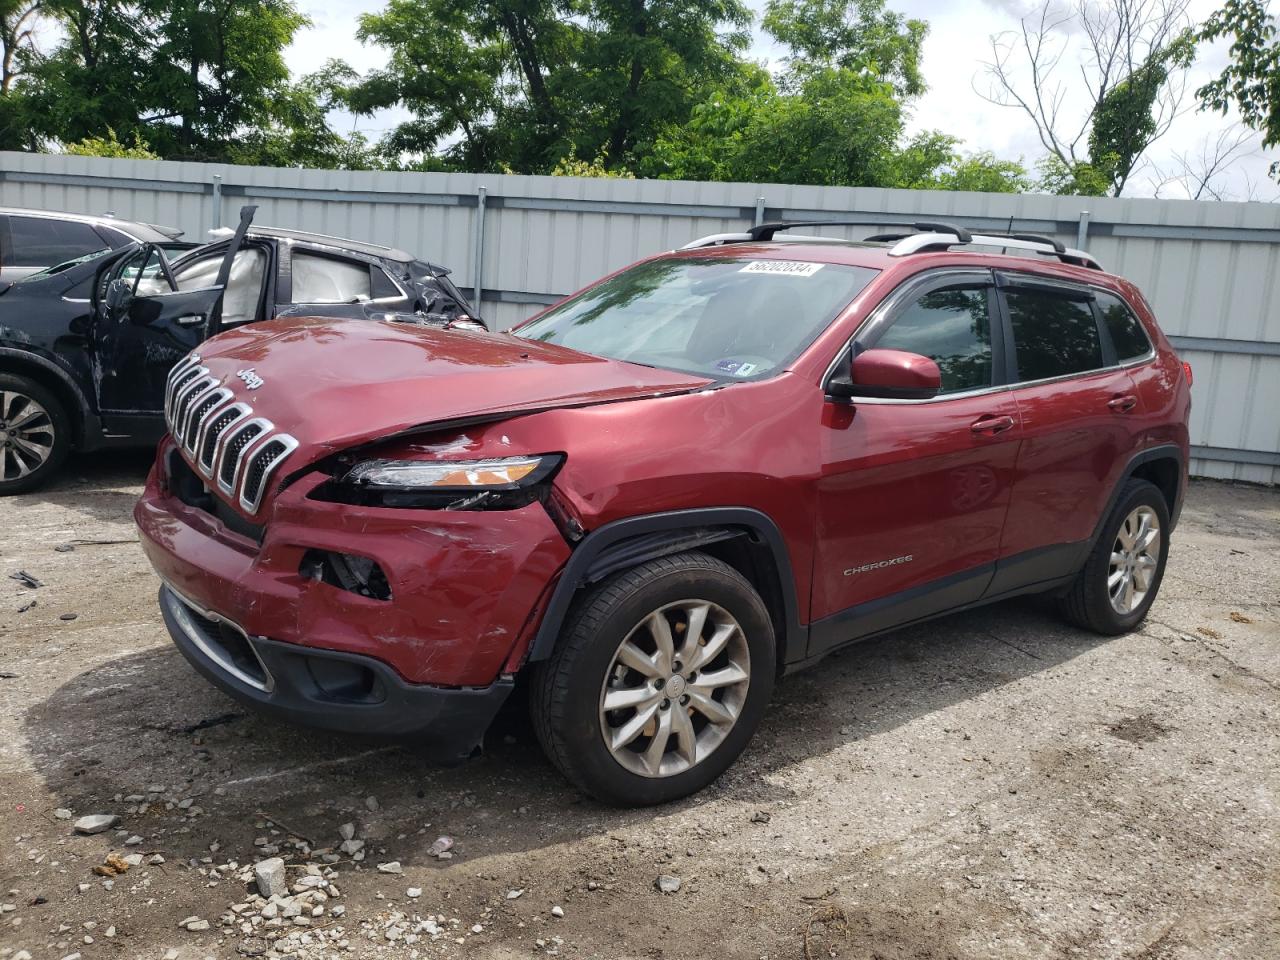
(147, 724)
(102, 485)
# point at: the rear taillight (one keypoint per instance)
(1186, 370)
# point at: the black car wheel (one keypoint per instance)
(659, 681)
(35, 435)
(1121, 578)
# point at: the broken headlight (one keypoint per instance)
(500, 483)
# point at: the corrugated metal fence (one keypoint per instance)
(1209, 269)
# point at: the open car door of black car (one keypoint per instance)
(144, 324)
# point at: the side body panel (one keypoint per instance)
(909, 495)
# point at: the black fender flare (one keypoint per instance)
(82, 417)
(1164, 451)
(632, 540)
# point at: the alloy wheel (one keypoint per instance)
(675, 688)
(26, 435)
(1135, 555)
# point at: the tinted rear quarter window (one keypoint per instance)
(41, 242)
(1054, 335)
(1125, 328)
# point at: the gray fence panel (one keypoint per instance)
(1209, 269)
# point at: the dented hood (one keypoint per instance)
(333, 384)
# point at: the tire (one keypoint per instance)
(31, 453)
(568, 690)
(1088, 602)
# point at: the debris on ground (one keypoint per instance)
(667, 883)
(392, 867)
(26, 579)
(760, 816)
(270, 877)
(441, 848)
(113, 866)
(95, 823)
(29, 605)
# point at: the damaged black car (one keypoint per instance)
(86, 346)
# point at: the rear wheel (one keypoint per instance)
(659, 682)
(1122, 576)
(35, 434)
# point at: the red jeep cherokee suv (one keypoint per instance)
(652, 499)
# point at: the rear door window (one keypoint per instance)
(953, 328)
(1054, 334)
(44, 242)
(1126, 331)
(321, 279)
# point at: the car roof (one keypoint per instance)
(146, 232)
(322, 239)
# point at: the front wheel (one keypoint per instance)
(35, 435)
(1122, 575)
(659, 682)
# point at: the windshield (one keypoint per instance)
(65, 265)
(722, 317)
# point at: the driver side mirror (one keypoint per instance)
(891, 374)
(119, 293)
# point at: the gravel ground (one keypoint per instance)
(991, 785)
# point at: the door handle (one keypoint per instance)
(189, 320)
(1123, 404)
(991, 425)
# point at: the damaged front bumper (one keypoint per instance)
(328, 689)
(428, 654)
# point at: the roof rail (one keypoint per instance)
(765, 231)
(1033, 243)
(720, 239)
(921, 236)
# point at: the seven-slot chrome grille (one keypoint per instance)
(232, 448)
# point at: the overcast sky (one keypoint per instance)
(958, 42)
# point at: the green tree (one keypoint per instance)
(1125, 121)
(857, 35)
(17, 28)
(1101, 82)
(217, 68)
(110, 146)
(522, 85)
(94, 78)
(1251, 80)
(934, 161)
(194, 79)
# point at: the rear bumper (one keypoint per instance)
(330, 689)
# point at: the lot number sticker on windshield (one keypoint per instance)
(785, 268)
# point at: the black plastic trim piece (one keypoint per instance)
(989, 598)
(589, 559)
(1165, 451)
(1037, 566)
(897, 609)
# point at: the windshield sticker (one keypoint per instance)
(736, 368)
(785, 268)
